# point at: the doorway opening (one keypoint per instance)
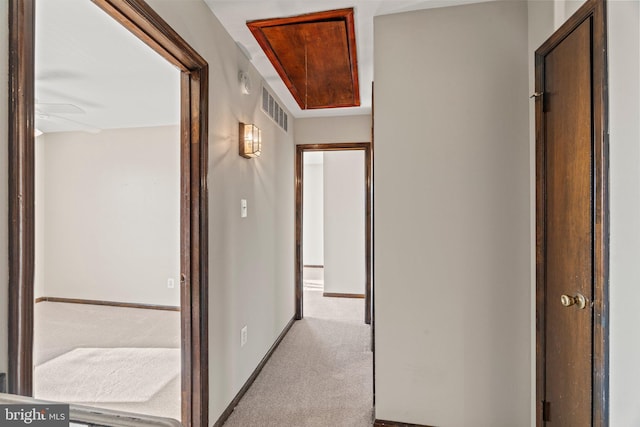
(107, 231)
(333, 229)
(137, 17)
(314, 264)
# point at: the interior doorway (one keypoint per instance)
(312, 265)
(572, 222)
(140, 19)
(107, 232)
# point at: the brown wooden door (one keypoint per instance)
(569, 236)
(568, 217)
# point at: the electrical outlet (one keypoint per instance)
(171, 283)
(243, 336)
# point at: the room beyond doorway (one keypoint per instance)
(333, 230)
(137, 17)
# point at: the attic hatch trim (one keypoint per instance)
(323, 81)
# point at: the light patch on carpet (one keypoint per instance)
(97, 375)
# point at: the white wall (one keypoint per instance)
(4, 238)
(624, 125)
(313, 213)
(563, 9)
(452, 247)
(111, 215)
(250, 259)
(326, 130)
(344, 222)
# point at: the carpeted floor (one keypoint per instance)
(320, 375)
(108, 342)
(107, 375)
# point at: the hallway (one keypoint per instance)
(320, 375)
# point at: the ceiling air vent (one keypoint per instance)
(272, 109)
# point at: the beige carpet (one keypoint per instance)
(102, 375)
(62, 328)
(320, 375)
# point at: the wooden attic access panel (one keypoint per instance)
(315, 55)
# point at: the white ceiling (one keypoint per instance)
(91, 64)
(86, 59)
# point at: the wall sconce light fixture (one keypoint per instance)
(250, 141)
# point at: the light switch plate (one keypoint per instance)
(243, 336)
(243, 208)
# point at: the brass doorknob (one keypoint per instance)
(579, 300)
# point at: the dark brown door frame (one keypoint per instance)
(142, 21)
(593, 10)
(299, 168)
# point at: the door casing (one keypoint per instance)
(139, 18)
(594, 10)
(299, 167)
